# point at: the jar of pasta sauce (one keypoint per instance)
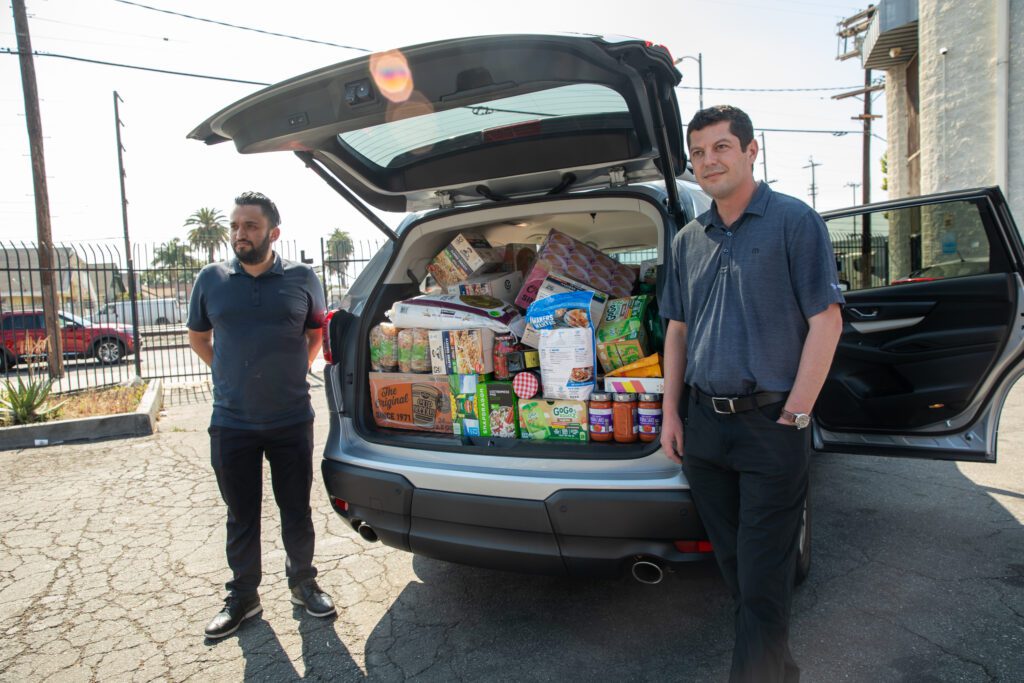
(648, 410)
(624, 418)
(600, 410)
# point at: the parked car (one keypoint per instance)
(150, 312)
(21, 332)
(937, 271)
(510, 136)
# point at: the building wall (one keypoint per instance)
(1015, 184)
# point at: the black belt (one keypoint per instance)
(724, 405)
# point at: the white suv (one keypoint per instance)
(509, 137)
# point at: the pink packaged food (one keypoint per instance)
(563, 254)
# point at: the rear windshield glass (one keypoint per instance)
(400, 142)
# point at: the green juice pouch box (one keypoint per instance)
(554, 420)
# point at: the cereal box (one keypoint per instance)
(442, 354)
(622, 336)
(553, 420)
(473, 351)
(562, 254)
(410, 401)
(502, 409)
(502, 286)
(466, 256)
(560, 284)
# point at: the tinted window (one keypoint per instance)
(915, 244)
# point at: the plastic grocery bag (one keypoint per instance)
(567, 360)
(457, 312)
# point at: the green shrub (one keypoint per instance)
(26, 402)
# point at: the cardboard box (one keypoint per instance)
(622, 335)
(473, 351)
(635, 385)
(502, 410)
(519, 258)
(469, 404)
(562, 254)
(502, 286)
(556, 283)
(409, 401)
(442, 354)
(466, 256)
(554, 420)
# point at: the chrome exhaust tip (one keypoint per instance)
(647, 572)
(367, 532)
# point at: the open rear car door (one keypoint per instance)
(924, 364)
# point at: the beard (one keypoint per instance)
(255, 254)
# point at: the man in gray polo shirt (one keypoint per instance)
(256, 320)
(753, 301)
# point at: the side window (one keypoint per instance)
(9, 322)
(18, 322)
(914, 244)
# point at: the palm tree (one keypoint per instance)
(339, 250)
(208, 230)
(173, 262)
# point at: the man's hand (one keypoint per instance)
(672, 436)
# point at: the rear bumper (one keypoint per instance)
(572, 532)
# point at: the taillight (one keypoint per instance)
(693, 546)
(325, 341)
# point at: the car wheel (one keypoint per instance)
(109, 351)
(7, 361)
(803, 552)
(162, 321)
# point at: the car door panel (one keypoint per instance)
(922, 368)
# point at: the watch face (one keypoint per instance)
(802, 420)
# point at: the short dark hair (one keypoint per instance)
(261, 200)
(739, 122)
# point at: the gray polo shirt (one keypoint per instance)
(260, 353)
(745, 292)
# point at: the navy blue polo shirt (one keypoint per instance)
(745, 292)
(260, 356)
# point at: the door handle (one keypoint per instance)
(862, 315)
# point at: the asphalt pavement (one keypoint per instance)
(111, 562)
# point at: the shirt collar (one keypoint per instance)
(756, 207)
(276, 269)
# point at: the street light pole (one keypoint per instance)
(700, 74)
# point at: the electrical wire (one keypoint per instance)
(37, 53)
(242, 28)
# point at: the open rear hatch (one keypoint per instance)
(461, 121)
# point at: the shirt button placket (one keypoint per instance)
(255, 292)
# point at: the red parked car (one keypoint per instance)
(20, 331)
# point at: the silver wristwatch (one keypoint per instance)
(801, 420)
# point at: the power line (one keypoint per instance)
(37, 53)
(829, 88)
(242, 28)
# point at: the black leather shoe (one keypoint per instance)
(237, 608)
(317, 603)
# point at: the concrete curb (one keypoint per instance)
(140, 423)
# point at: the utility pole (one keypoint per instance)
(700, 74)
(866, 256)
(854, 186)
(132, 294)
(814, 185)
(44, 237)
(764, 158)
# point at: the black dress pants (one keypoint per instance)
(237, 458)
(748, 477)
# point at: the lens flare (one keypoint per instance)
(391, 75)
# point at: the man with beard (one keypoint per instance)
(256, 320)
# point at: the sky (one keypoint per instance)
(744, 44)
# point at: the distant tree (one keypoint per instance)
(173, 262)
(208, 231)
(885, 170)
(339, 250)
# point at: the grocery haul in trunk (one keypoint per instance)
(560, 343)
